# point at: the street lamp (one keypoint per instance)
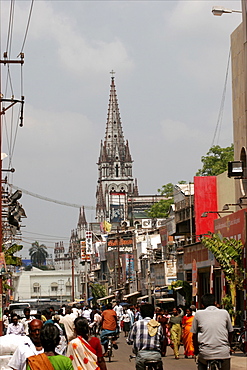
(205, 214)
(219, 10)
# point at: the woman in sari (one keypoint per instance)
(49, 338)
(187, 335)
(85, 352)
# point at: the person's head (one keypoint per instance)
(56, 318)
(189, 312)
(193, 308)
(175, 311)
(147, 310)
(6, 312)
(68, 310)
(109, 306)
(208, 299)
(34, 331)
(49, 337)
(81, 327)
(47, 314)
(51, 309)
(26, 312)
(14, 319)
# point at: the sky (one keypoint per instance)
(170, 60)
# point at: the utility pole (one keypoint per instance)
(72, 272)
(11, 103)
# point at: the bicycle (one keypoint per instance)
(110, 346)
(214, 364)
(150, 364)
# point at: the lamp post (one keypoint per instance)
(241, 90)
(219, 10)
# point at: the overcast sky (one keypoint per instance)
(170, 59)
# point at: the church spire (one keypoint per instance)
(114, 138)
(115, 181)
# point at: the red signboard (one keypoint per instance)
(205, 202)
(232, 225)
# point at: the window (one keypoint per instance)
(36, 287)
(54, 287)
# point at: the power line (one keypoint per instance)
(50, 199)
(220, 116)
(28, 23)
(52, 236)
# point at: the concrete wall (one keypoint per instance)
(226, 191)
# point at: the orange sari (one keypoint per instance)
(187, 335)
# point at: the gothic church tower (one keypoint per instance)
(115, 180)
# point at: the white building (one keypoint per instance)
(49, 284)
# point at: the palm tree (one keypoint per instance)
(38, 254)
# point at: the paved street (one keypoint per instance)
(121, 359)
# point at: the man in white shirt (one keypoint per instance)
(119, 311)
(212, 330)
(27, 319)
(68, 322)
(15, 327)
(30, 347)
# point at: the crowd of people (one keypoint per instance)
(77, 337)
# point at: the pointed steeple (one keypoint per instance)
(115, 179)
(82, 218)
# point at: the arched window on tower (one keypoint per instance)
(117, 170)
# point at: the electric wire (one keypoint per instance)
(221, 111)
(10, 27)
(27, 27)
(52, 236)
(50, 199)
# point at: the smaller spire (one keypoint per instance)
(82, 218)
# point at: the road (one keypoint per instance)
(120, 361)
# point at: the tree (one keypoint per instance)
(38, 253)
(229, 254)
(185, 290)
(216, 160)
(12, 260)
(98, 291)
(161, 208)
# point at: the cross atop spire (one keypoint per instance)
(112, 73)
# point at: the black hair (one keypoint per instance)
(49, 337)
(81, 327)
(109, 306)
(208, 299)
(147, 310)
(26, 309)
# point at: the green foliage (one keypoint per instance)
(216, 160)
(160, 209)
(12, 260)
(225, 251)
(166, 190)
(9, 252)
(185, 291)
(38, 254)
(98, 291)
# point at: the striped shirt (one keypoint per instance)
(140, 338)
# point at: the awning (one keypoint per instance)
(143, 297)
(131, 294)
(107, 297)
(165, 300)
